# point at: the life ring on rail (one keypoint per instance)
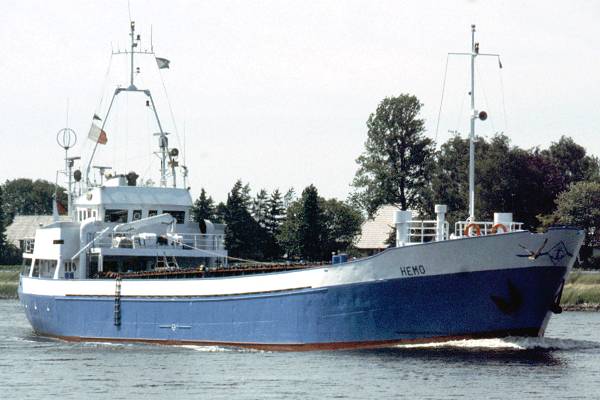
(473, 226)
(499, 226)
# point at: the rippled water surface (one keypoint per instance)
(565, 364)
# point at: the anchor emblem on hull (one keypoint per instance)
(512, 304)
(556, 254)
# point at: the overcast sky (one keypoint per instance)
(277, 93)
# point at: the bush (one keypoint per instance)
(12, 255)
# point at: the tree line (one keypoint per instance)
(275, 226)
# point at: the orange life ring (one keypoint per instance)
(499, 226)
(474, 226)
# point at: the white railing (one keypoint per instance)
(483, 228)
(426, 231)
(152, 241)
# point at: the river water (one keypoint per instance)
(563, 365)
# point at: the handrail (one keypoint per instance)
(484, 228)
(170, 240)
(421, 231)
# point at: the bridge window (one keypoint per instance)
(115, 216)
(152, 213)
(178, 215)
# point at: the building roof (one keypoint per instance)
(24, 226)
(375, 232)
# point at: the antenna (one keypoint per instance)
(133, 45)
(67, 138)
(184, 166)
(163, 142)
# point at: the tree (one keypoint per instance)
(394, 168)
(572, 161)
(260, 207)
(241, 227)
(26, 197)
(303, 233)
(450, 180)
(580, 206)
(244, 236)
(315, 227)
(310, 228)
(288, 237)
(342, 224)
(289, 197)
(275, 213)
(204, 208)
(507, 179)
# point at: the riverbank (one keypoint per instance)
(581, 293)
(9, 281)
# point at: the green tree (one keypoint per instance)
(204, 208)
(450, 180)
(26, 197)
(244, 236)
(572, 161)
(310, 228)
(395, 166)
(289, 197)
(275, 213)
(580, 206)
(315, 227)
(507, 179)
(240, 230)
(260, 207)
(342, 224)
(288, 238)
(303, 233)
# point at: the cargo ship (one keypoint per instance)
(131, 265)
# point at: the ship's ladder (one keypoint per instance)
(164, 262)
(172, 263)
(117, 314)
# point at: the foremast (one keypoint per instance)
(482, 115)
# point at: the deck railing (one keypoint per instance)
(421, 231)
(170, 240)
(483, 228)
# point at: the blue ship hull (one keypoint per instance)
(462, 305)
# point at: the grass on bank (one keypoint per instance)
(9, 281)
(582, 288)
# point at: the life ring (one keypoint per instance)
(472, 226)
(499, 226)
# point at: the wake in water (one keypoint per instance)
(221, 349)
(509, 343)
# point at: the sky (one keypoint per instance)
(277, 93)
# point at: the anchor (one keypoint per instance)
(514, 302)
